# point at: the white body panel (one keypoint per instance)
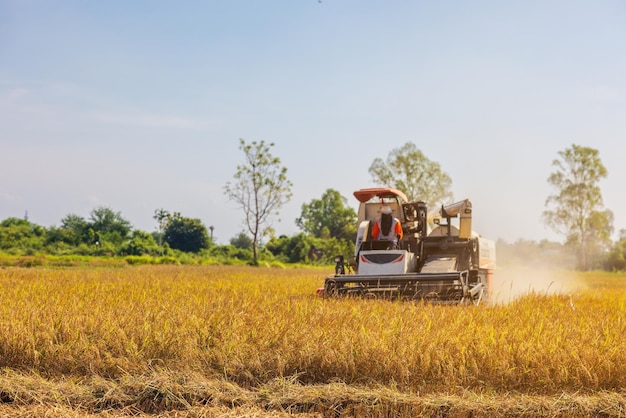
(377, 262)
(486, 254)
(361, 236)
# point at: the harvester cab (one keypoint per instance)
(412, 218)
(450, 264)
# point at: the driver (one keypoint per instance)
(387, 227)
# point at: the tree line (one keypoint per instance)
(328, 227)
(106, 232)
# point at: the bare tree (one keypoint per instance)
(261, 188)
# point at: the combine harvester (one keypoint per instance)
(451, 264)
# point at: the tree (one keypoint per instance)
(329, 217)
(109, 225)
(598, 240)
(408, 170)
(305, 248)
(616, 258)
(74, 230)
(20, 233)
(162, 217)
(241, 240)
(577, 203)
(261, 188)
(185, 234)
(141, 243)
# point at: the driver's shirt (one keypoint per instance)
(394, 231)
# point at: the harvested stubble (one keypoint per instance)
(253, 327)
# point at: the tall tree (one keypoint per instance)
(162, 217)
(261, 188)
(577, 202)
(329, 216)
(408, 170)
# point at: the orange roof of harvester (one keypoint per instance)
(363, 195)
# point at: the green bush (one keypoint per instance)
(168, 260)
(136, 260)
(302, 248)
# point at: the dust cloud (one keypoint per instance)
(512, 282)
(528, 267)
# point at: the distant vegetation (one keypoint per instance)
(328, 224)
(109, 238)
(106, 238)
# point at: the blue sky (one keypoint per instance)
(140, 105)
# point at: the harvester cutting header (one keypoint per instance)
(450, 264)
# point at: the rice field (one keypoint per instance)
(242, 341)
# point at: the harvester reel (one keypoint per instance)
(474, 300)
(454, 295)
(431, 296)
(331, 288)
(417, 295)
(479, 298)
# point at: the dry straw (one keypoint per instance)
(254, 327)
